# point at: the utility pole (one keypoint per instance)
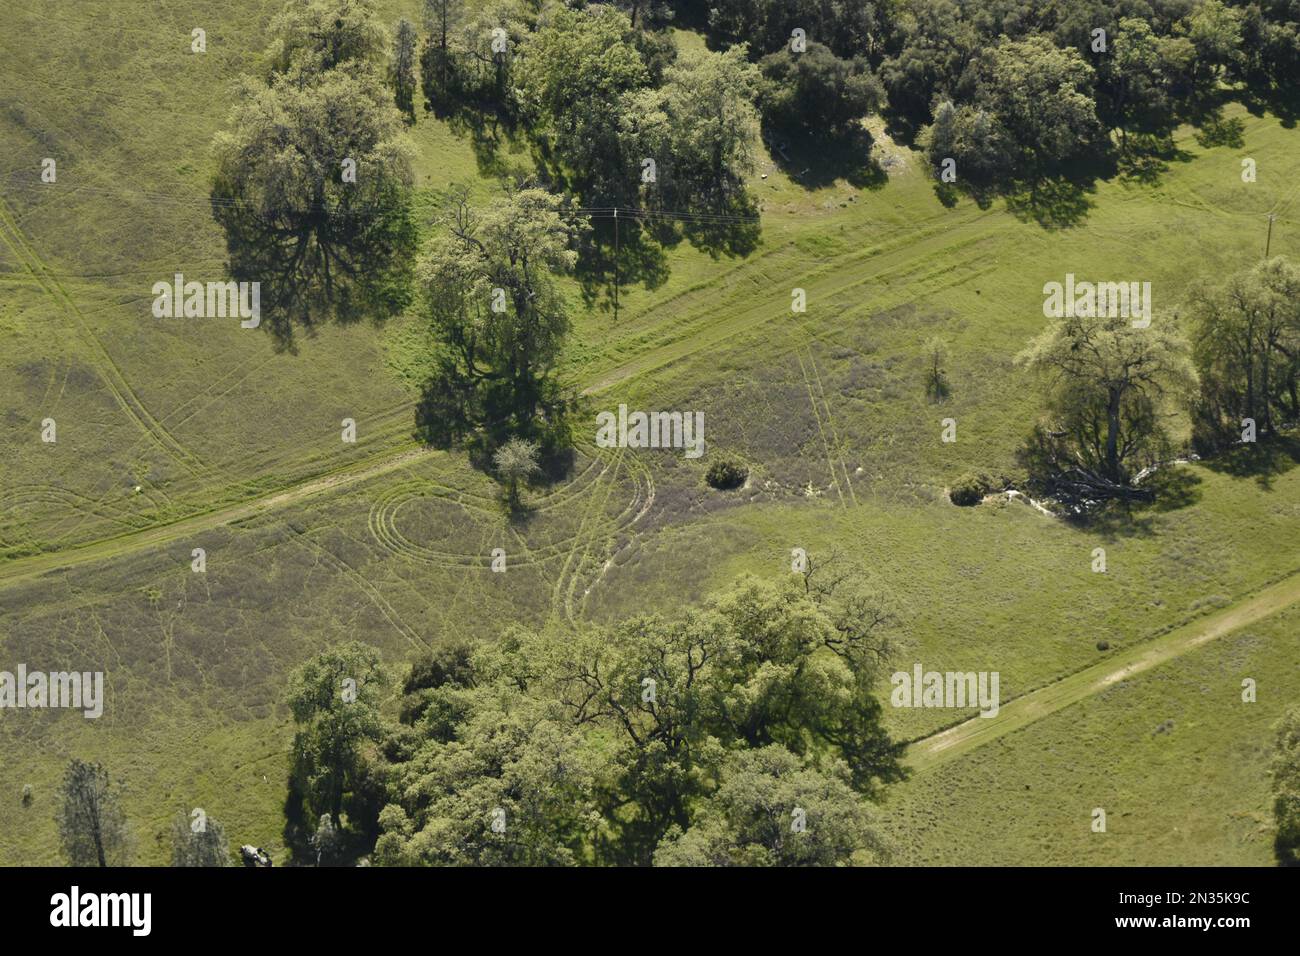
(616, 262)
(1268, 244)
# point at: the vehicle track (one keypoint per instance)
(117, 385)
(946, 745)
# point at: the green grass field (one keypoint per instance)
(176, 434)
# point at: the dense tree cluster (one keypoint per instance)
(1247, 350)
(949, 67)
(742, 732)
(313, 178)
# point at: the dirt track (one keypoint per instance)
(1022, 711)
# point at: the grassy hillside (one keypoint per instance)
(162, 420)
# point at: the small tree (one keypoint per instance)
(334, 698)
(402, 73)
(326, 841)
(516, 461)
(440, 20)
(92, 826)
(199, 842)
(1286, 788)
(936, 378)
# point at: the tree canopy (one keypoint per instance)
(1110, 389)
(489, 290)
(613, 744)
(313, 174)
(1246, 335)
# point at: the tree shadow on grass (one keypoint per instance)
(491, 134)
(1217, 131)
(1054, 203)
(312, 273)
(641, 260)
(454, 412)
(1175, 487)
(1145, 158)
(1264, 461)
(1282, 103)
(726, 226)
(818, 161)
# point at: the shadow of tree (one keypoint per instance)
(727, 226)
(1217, 131)
(1144, 158)
(641, 260)
(1054, 203)
(345, 265)
(1264, 461)
(490, 132)
(1282, 103)
(1285, 852)
(817, 161)
(1176, 487)
(946, 193)
(477, 417)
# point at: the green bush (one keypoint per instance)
(727, 473)
(969, 490)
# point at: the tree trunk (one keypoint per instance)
(1112, 436)
(1264, 385)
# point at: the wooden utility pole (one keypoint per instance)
(616, 263)
(1268, 244)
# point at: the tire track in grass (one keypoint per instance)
(582, 538)
(636, 471)
(821, 430)
(110, 373)
(1018, 713)
(369, 590)
(25, 568)
(677, 345)
(835, 433)
(835, 275)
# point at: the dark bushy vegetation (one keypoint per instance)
(969, 490)
(727, 473)
(637, 743)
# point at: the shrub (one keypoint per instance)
(969, 490)
(727, 473)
